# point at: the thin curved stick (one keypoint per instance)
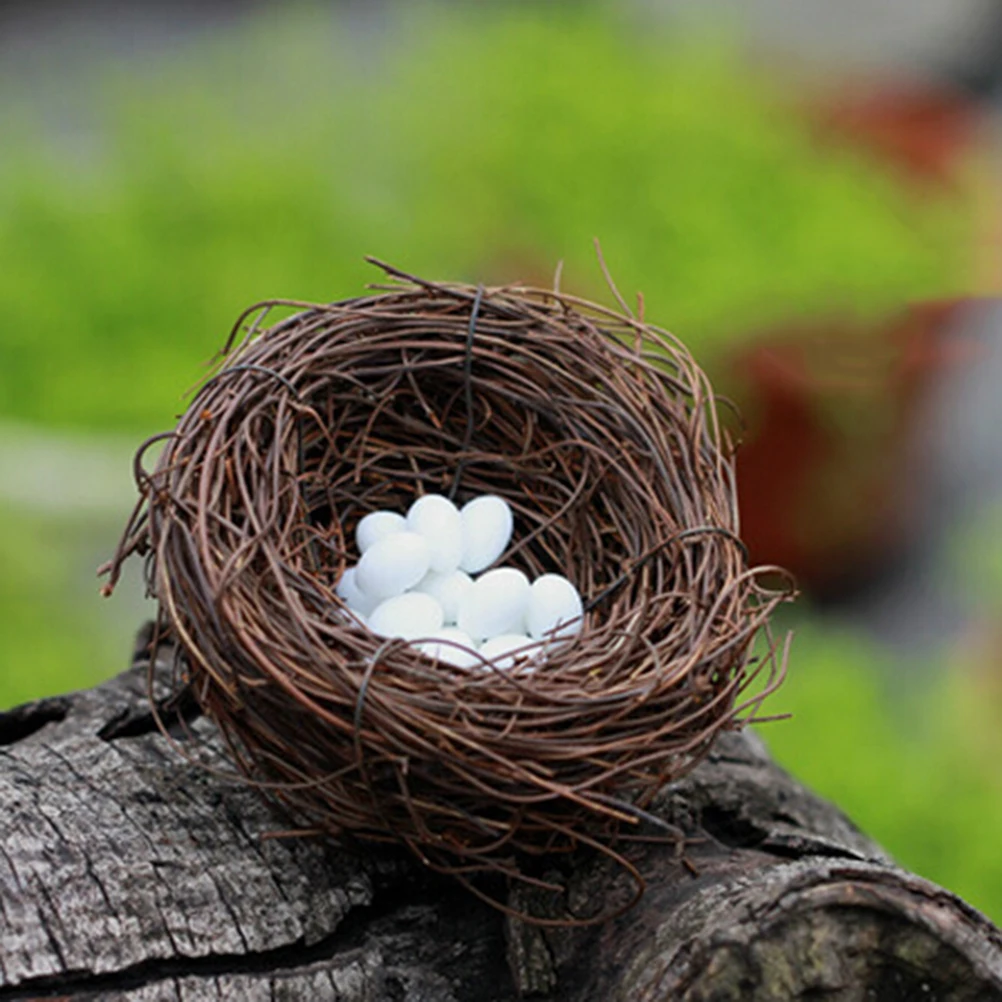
(600, 431)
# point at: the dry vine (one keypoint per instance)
(599, 429)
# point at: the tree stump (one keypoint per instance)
(128, 872)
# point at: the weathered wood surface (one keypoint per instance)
(128, 873)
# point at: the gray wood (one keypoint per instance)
(130, 872)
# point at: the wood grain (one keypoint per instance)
(128, 872)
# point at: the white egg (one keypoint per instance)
(409, 616)
(375, 526)
(498, 649)
(356, 600)
(495, 604)
(449, 589)
(437, 519)
(486, 524)
(554, 605)
(452, 646)
(393, 564)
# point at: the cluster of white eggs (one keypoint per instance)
(415, 580)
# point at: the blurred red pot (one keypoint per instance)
(824, 474)
(825, 479)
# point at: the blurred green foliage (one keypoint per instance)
(910, 755)
(475, 146)
(482, 146)
(50, 641)
(975, 557)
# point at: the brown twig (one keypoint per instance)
(600, 431)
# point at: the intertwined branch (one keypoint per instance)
(602, 434)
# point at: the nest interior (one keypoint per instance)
(602, 434)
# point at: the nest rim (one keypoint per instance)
(360, 736)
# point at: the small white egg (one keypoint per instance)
(356, 600)
(498, 649)
(375, 526)
(554, 607)
(449, 589)
(495, 604)
(407, 616)
(486, 525)
(393, 564)
(437, 519)
(452, 646)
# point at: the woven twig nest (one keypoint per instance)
(601, 433)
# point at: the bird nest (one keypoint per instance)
(602, 434)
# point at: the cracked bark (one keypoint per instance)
(128, 873)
